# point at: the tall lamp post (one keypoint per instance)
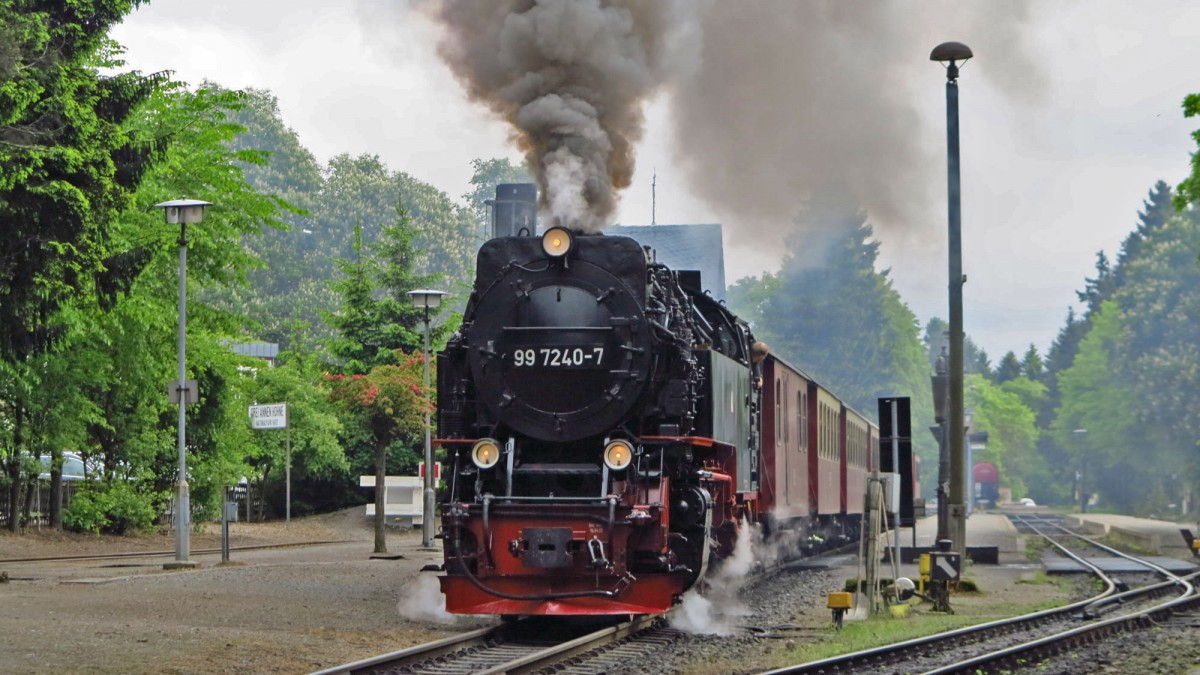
(427, 299)
(950, 54)
(940, 383)
(1081, 437)
(182, 212)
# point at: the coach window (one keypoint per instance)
(800, 428)
(778, 418)
(787, 424)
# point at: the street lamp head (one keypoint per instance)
(951, 54)
(941, 387)
(183, 211)
(941, 392)
(426, 298)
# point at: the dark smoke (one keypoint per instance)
(773, 102)
(794, 100)
(571, 77)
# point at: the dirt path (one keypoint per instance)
(286, 610)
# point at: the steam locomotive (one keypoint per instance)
(609, 428)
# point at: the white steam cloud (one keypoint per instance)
(717, 610)
(422, 600)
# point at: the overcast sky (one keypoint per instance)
(1070, 112)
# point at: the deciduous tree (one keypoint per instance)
(391, 403)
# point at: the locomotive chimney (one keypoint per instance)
(514, 210)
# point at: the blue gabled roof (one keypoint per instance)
(685, 247)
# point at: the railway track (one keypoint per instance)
(527, 646)
(537, 644)
(1010, 643)
(162, 554)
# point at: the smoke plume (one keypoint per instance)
(570, 76)
(791, 100)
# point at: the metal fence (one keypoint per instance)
(39, 505)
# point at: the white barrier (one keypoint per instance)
(402, 497)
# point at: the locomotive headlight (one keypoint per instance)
(485, 453)
(556, 242)
(618, 455)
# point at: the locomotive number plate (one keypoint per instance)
(558, 357)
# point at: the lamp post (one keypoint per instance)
(181, 212)
(1081, 437)
(427, 299)
(939, 381)
(951, 53)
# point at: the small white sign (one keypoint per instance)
(270, 416)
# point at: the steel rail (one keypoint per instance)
(159, 554)
(1123, 623)
(502, 639)
(907, 649)
(428, 650)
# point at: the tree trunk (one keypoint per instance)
(27, 510)
(14, 470)
(56, 489)
(380, 490)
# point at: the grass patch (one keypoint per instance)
(882, 629)
(1040, 578)
(873, 632)
(1126, 544)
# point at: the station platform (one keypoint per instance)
(1003, 546)
(991, 538)
(1157, 537)
(1056, 564)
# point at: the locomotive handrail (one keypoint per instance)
(531, 498)
(692, 440)
(555, 329)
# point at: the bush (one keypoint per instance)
(112, 507)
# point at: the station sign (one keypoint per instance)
(270, 416)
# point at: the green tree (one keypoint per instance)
(1032, 365)
(835, 314)
(1009, 369)
(1011, 426)
(937, 339)
(1157, 209)
(840, 319)
(1095, 398)
(292, 285)
(1188, 191)
(67, 167)
(486, 175)
(748, 296)
(1101, 288)
(362, 191)
(310, 443)
(1160, 360)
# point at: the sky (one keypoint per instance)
(1070, 112)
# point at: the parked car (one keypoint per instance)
(72, 467)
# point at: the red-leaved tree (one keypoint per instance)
(390, 402)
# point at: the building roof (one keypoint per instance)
(263, 350)
(685, 247)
